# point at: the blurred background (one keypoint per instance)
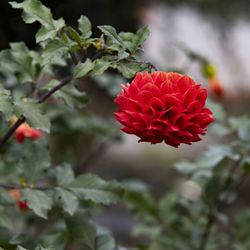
(218, 30)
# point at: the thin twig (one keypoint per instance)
(207, 230)
(15, 186)
(21, 120)
(53, 90)
(11, 130)
(146, 62)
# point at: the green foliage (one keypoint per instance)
(62, 198)
(31, 111)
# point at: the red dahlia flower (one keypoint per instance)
(163, 107)
(24, 130)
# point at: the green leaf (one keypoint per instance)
(38, 201)
(31, 111)
(6, 106)
(111, 33)
(128, 39)
(92, 187)
(64, 175)
(68, 200)
(54, 240)
(83, 69)
(34, 160)
(185, 168)
(81, 227)
(105, 242)
(4, 219)
(68, 95)
(129, 69)
(100, 65)
(74, 35)
(219, 129)
(21, 62)
(217, 109)
(213, 189)
(84, 26)
(34, 11)
(141, 36)
(54, 51)
(21, 248)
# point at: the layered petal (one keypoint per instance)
(165, 107)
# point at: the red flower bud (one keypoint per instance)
(216, 87)
(163, 107)
(24, 130)
(16, 194)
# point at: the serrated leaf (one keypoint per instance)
(34, 11)
(100, 65)
(64, 175)
(6, 106)
(38, 201)
(34, 117)
(92, 187)
(84, 26)
(81, 227)
(111, 33)
(68, 200)
(83, 69)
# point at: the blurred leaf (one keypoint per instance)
(246, 164)
(83, 69)
(110, 32)
(105, 242)
(38, 201)
(217, 109)
(31, 111)
(23, 63)
(82, 228)
(185, 168)
(5, 220)
(84, 26)
(242, 126)
(68, 200)
(74, 35)
(213, 188)
(54, 52)
(55, 241)
(64, 175)
(70, 95)
(6, 106)
(92, 187)
(34, 160)
(219, 129)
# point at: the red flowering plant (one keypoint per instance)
(46, 175)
